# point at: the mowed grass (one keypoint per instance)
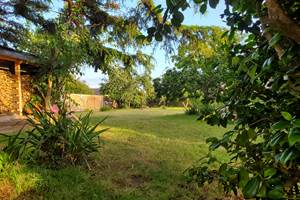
(143, 157)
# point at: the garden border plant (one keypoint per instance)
(55, 138)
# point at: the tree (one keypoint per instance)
(79, 36)
(57, 59)
(14, 14)
(201, 57)
(76, 86)
(200, 65)
(178, 85)
(262, 96)
(128, 90)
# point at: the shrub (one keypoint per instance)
(55, 139)
(197, 107)
(105, 108)
(193, 107)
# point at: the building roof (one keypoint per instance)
(13, 55)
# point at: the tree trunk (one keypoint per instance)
(281, 22)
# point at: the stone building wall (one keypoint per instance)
(9, 91)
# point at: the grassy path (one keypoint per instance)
(143, 157)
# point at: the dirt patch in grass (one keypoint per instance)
(138, 180)
(29, 195)
(6, 190)
(134, 181)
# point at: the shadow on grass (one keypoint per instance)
(78, 183)
(169, 126)
(129, 166)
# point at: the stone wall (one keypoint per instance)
(9, 91)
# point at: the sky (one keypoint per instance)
(211, 17)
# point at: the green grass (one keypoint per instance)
(143, 157)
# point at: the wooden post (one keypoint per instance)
(19, 86)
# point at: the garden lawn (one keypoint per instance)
(143, 157)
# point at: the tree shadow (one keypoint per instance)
(78, 183)
(177, 126)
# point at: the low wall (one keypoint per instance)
(82, 102)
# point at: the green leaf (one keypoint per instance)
(167, 28)
(296, 123)
(276, 193)
(275, 39)
(158, 37)
(269, 172)
(158, 9)
(213, 3)
(262, 191)
(267, 63)
(294, 136)
(203, 8)
(251, 189)
(151, 30)
(286, 156)
(252, 72)
(287, 116)
(243, 177)
(242, 139)
(170, 3)
(140, 37)
(235, 60)
(276, 138)
(280, 125)
(223, 168)
(177, 19)
(251, 133)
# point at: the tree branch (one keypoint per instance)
(280, 21)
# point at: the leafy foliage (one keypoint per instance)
(14, 13)
(129, 90)
(72, 37)
(177, 85)
(55, 139)
(105, 108)
(260, 95)
(196, 106)
(78, 87)
(200, 66)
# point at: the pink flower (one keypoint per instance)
(54, 108)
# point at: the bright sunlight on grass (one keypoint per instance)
(143, 156)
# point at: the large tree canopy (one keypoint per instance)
(128, 90)
(85, 32)
(15, 13)
(261, 95)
